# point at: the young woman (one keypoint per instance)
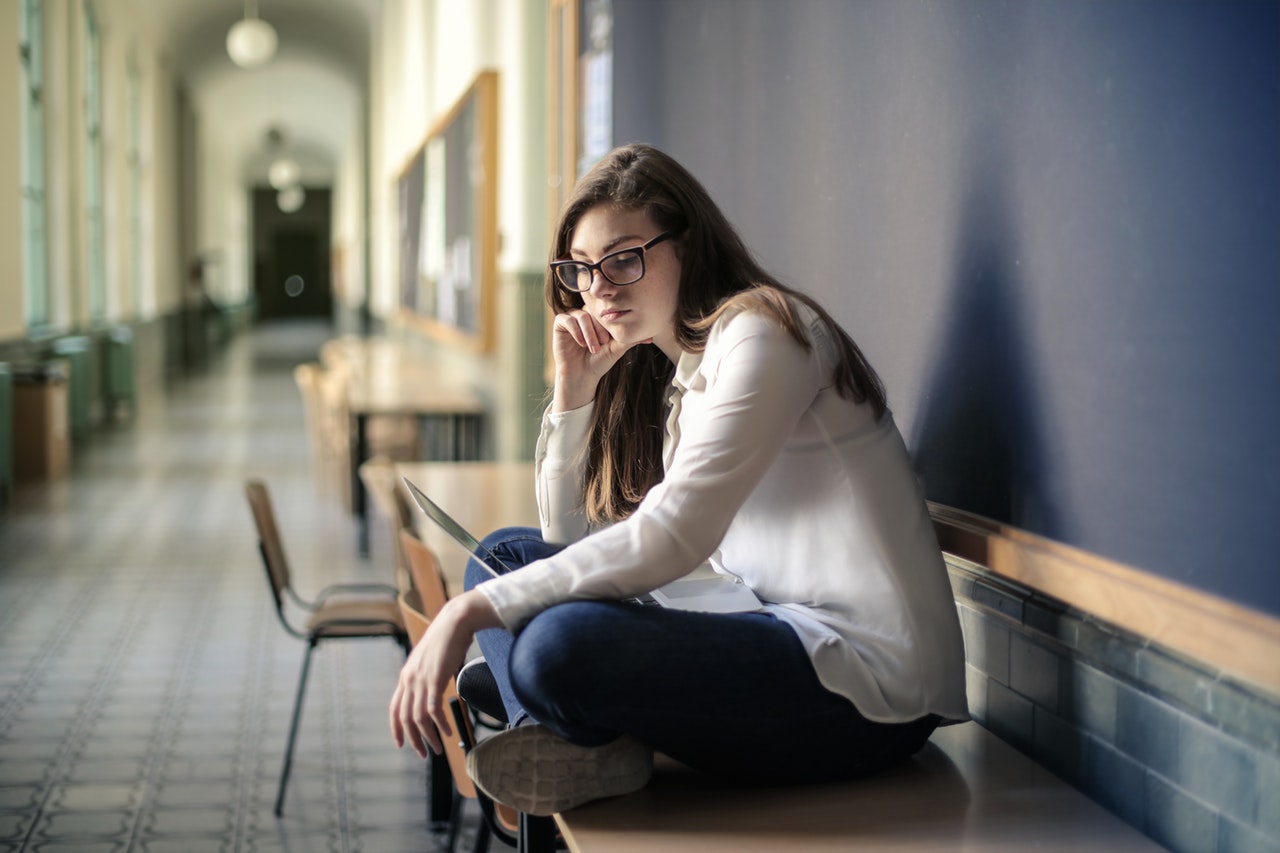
(701, 412)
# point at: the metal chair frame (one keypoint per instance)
(344, 611)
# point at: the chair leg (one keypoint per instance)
(440, 792)
(489, 825)
(482, 837)
(455, 822)
(537, 834)
(293, 727)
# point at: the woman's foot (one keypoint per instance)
(540, 773)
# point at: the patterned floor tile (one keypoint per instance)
(145, 684)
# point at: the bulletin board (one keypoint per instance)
(448, 204)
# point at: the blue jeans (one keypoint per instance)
(729, 694)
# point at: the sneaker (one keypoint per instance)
(538, 772)
(477, 686)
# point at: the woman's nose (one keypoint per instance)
(600, 284)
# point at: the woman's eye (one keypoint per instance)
(627, 263)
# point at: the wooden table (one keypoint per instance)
(481, 496)
(385, 381)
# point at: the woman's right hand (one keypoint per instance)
(418, 712)
(583, 351)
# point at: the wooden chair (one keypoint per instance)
(336, 352)
(425, 572)
(379, 477)
(307, 378)
(392, 437)
(339, 612)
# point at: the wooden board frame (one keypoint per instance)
(1241, 643)
(564, 128)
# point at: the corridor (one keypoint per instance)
(145, 683)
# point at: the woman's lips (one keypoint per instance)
(612, 314)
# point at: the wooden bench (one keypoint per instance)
(966, 790)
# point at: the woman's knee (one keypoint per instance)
(512, 545)
(560, 656)
(499, 538)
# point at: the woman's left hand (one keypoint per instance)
(418, 714)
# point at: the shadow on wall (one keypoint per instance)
(978, 443)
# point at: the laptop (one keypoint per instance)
(703, 590)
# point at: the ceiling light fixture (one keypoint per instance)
(251, 41)
(291, 199)
(283, 172)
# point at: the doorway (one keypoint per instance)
(291, 274)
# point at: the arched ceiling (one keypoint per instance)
(313, 91)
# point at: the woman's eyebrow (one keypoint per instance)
(608, 247)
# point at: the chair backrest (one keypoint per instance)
(332, 387)
(337, 352)
(416, 622)
(379, 477)
(269, 541)
(307, 378)
(425, 572)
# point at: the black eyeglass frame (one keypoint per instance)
(598, 266)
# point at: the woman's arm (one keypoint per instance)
(754, 385)
(558, 466)
(584, 352)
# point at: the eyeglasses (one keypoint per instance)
(625, 266)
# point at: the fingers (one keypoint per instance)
(418, 715)
(412, 722)
(584, 329)
(397, 728)
(431, 721)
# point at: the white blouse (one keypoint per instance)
(778, 481)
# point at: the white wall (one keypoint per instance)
(427, 53)
(67, 243)
(349, 231)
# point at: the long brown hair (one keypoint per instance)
(717, 273)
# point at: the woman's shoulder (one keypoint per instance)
(764, 312)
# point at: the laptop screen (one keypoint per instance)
(459, 533)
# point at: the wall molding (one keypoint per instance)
(1241, 643)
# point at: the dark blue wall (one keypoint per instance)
(1053, 226)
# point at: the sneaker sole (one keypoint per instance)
(539, 773)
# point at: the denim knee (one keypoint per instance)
(514, 546)
(552, 670)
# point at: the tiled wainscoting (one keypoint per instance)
(1187, 756)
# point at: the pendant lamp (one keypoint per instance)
(251, 41)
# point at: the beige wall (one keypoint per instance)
(12, 303)
(160, 165)
(62, 172)
(425, 54)
(119, 260)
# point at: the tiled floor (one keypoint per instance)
(145, 685)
